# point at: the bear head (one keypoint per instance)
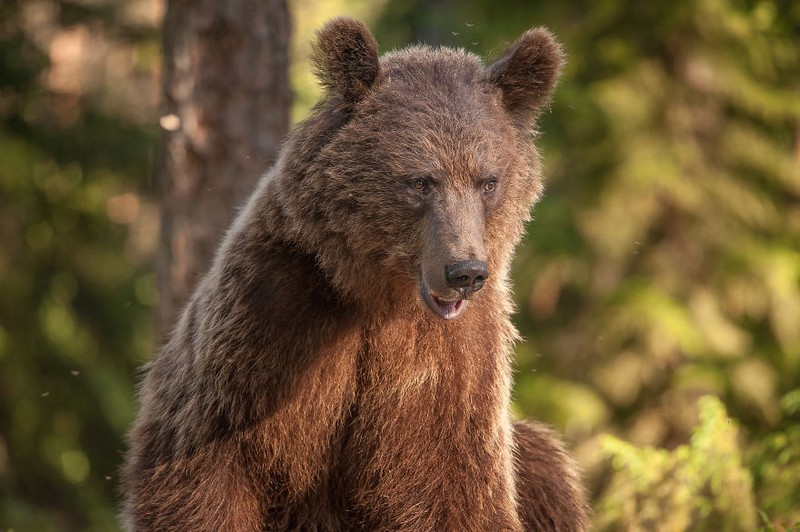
(417, 171)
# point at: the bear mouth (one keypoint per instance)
(443, 308)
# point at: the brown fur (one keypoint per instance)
(307, 386)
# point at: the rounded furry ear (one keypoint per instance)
(527, 72)
(345, 57)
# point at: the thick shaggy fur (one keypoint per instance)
(308, 385)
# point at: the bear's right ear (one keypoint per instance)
(346, 58)
(526, 74)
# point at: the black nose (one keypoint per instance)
(467, 276)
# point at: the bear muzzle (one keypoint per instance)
(463, 279)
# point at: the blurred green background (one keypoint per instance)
(663, 264)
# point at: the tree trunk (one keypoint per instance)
(227, 106)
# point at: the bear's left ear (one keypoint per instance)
(526, 74)
(346, 58)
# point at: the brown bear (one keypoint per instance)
(346, 362)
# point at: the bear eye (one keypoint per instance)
(490, 185)
(420, 184)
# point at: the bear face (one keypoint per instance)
(434, 147)
(447, 185)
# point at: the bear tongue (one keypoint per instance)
(449, 309)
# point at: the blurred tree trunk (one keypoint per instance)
(227, 106)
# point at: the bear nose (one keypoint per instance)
(466, 276)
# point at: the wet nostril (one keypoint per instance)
(467, 275)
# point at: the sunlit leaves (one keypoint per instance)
(699, 486)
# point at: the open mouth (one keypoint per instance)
(445, 309)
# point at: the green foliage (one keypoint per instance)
(776, 471)
(699, 486)
(74, 259)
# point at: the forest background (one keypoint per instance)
(658, 288)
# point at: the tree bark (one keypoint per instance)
(227, 103)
